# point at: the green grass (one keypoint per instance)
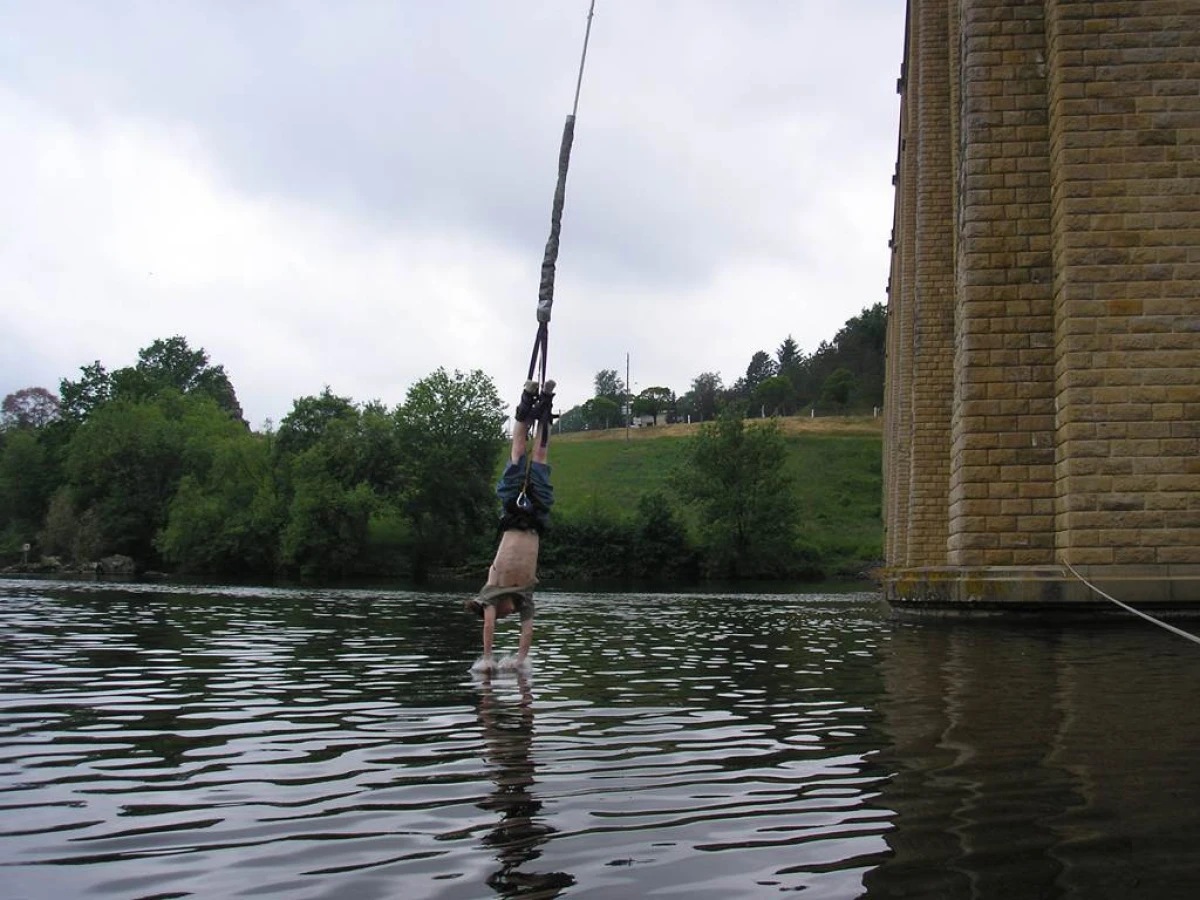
(837, 480)
(608, 477)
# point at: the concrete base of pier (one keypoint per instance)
(1164, 591)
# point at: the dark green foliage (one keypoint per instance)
(736, 477)
(601, 413)
(706, 394)
(761, 368)
(789, 360)
(837, 389)
(309, 420)
(587, 547)
(655, 402)
(450, 429)
(169, 365)
(229, 521)
(67, 533)
(77, 399)
(649, 544)
(127, 459)
(27, 479)
(842, 375)
(858, 351)
(776, 396)
(154, 460)
(326, 533)
(661, 546)
(609, 385)
(172, 364)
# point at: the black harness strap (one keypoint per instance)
(541, 345)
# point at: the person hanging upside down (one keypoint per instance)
(525, 495)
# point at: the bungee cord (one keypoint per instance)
(545, 304)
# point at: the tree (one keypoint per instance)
(661, 545)
(858, 347)
(735, 475)
(685, 407)
(165, 365)
(610, 385)
(838, 387)
(79, 399)
(572, 420)
(228, 521)
(601, 412)
(26, 481)
(326, 532)
(653, 401)
(788, 355)
(451, 429)
(777, 396)
(32, 407)
(126, 460)
(309, 419)
(68, 533)
(706, 391)
(791, 363)
(760, 369)
(171, 363)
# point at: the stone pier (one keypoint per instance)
(1043, 395)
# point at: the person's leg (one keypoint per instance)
(545, 419)
(522, 419)
(520, 441)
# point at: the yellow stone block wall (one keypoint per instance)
(1124, 82)
(1043, 396)
(933, 291)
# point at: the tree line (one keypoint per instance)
(841, 376)
(156, 462)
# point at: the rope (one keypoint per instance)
(550, 258)
(541, 343)
(582, 58)
(1125, 606)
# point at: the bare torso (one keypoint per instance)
(516, 559)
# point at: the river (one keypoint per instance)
(162, 741)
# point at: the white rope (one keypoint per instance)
(1125, 606)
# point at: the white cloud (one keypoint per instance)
(356, 200)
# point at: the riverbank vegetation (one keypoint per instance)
(154, 462)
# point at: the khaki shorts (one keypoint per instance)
(521, 596)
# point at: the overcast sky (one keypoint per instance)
(355, 193)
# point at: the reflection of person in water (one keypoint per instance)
(518, 836)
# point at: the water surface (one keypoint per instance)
(164, 742)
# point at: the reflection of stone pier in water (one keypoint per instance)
(1043, 397)
(1025, 767)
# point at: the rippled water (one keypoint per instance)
(178, 742)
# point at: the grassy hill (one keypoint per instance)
(835, 465)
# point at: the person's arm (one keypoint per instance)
(526, 639)
(489, 629)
